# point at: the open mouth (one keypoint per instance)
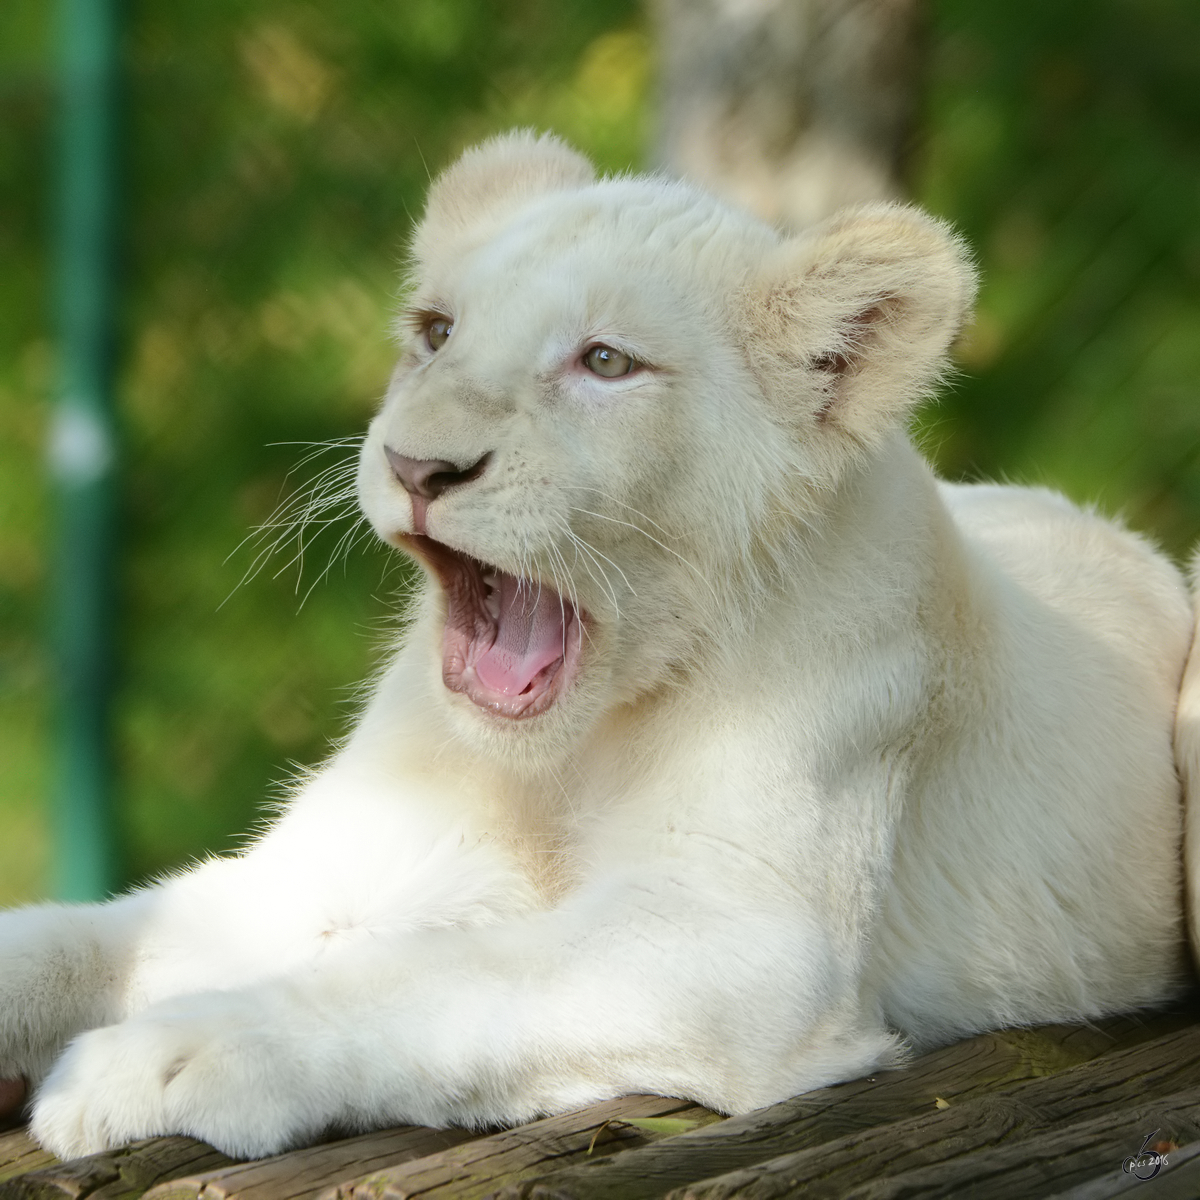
(511, 645)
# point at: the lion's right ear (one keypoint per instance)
(491, 182)
(849, 324)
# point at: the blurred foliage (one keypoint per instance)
(1063, 140)
(275, 155)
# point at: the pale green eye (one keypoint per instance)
(605, 361)
(437, 332)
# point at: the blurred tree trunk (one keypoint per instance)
(792, 108)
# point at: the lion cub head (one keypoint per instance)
(620, 406)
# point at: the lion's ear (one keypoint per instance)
(492, 181)
(849, 324)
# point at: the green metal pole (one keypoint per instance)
(83, 449)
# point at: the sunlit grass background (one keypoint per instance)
(275, 156)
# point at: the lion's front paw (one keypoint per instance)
(213, 1066)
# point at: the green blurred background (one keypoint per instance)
(275, 155)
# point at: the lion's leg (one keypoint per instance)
(358, 856)
(661, 987)
(355, 857)
(63, 969)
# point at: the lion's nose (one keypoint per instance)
(430, 477)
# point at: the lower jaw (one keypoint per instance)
(507, 708)
(466, 637)
(542, 694)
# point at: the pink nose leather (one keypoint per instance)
(430, 477)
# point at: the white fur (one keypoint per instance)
(853, 757)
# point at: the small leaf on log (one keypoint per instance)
(666, 1126)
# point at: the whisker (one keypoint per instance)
(591, 550)
(601, 578)
(629, 525)
(579, 487)
(329, 498)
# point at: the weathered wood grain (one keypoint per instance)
(304, 1173)
(19, 1153)
(1121, 1085)
(1036, 1167)
(1179, 1180)
(116, 1174)
(478, 1168)
(955, 1074)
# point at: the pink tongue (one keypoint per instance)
(530, 636)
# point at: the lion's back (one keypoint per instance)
(1110, 581)
(1049, 801)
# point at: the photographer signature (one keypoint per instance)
(1146, 1164)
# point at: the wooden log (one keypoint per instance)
(304, 1173)
(476, 1169)
(19, 1154)
(1048, 1162)
(1121, 1085)
(120, 1174)
(181, 1169)
(953, 1074)
(1179, 1180)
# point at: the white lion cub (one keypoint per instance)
(728, 752)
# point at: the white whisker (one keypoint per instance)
(579, 487)
(329, 498)
(629, 525)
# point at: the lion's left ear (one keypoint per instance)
(849, 324)
(490, 183)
